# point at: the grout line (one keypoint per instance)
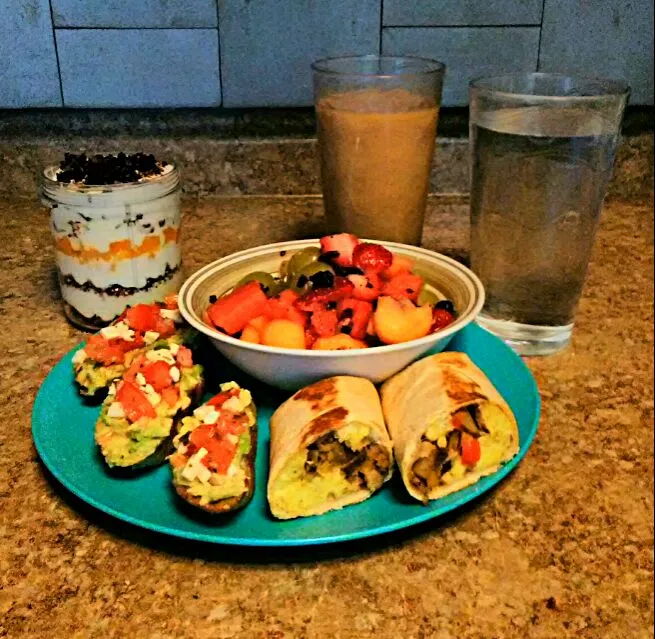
(54, 40)
(94, 28)
(381, 28)
(461, 26)
(220, 50)
(541, 33)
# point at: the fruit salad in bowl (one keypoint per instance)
(293, 312)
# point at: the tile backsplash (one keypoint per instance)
(249, 53)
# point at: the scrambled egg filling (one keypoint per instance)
(338, 463)
(439, 459)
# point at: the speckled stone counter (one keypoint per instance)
(562, 548)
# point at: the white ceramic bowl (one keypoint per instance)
(291, 369)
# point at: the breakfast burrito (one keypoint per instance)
(448, 424)
(329, 448)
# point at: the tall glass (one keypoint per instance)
(542, 154)
(377, 124)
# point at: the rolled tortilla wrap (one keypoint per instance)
(329, 448)
(448, 424)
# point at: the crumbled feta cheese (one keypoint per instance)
(203, 410)
(229, 386)
(80, 356)
(173, 347)
(203, 474)
(112, 389)
(193, 466)
(140, 379)
(174, 315)
(174, 373)
(246, 397)
(233, 439)
(238, 404)
(233, 404)
(211, 417)
(442, 442)
(161, 354)
(151, 395)
(120, 330)
(115, 410)
(150, 337)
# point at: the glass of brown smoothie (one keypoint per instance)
(377, 125)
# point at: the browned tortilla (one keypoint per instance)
(314, 412)
(431, 391)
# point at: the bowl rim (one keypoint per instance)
(193, 281)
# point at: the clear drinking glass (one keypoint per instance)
(542, 153)
(377, 125)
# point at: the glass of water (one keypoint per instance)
(542, 152)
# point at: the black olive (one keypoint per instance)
(322, 279)
(446, 305)
(212, 299)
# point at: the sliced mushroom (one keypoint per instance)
(467, 423)
(454, 441)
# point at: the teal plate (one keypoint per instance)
(63, 425)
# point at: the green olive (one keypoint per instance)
(305, 273)
(300, 259)
(427, 297)
(265, 279)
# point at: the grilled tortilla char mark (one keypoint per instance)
(434, 461)
(368, 466)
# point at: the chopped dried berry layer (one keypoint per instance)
(108, 169)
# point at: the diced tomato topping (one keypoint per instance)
(324, 322)
(316, 300)
(356, 320)
(232, 312)
(143, 317)
(470, 450)
(110, 351)
(220, 450)
(367, 287)
(220, 399)
(134, 402)
(403, 285)
(400, 264)
(232, 423)
(165, 327)
(170, 395)
(372, 258)
(158, 375)
(170, 302)
(184, 357)
(135, 367)
(339, 248)
(440, 319)
(177, 461)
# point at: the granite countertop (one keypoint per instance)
(562, 548)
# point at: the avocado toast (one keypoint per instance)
(107, 354)
(213, 463)
(138, 417)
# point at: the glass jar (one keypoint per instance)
(116, 245)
